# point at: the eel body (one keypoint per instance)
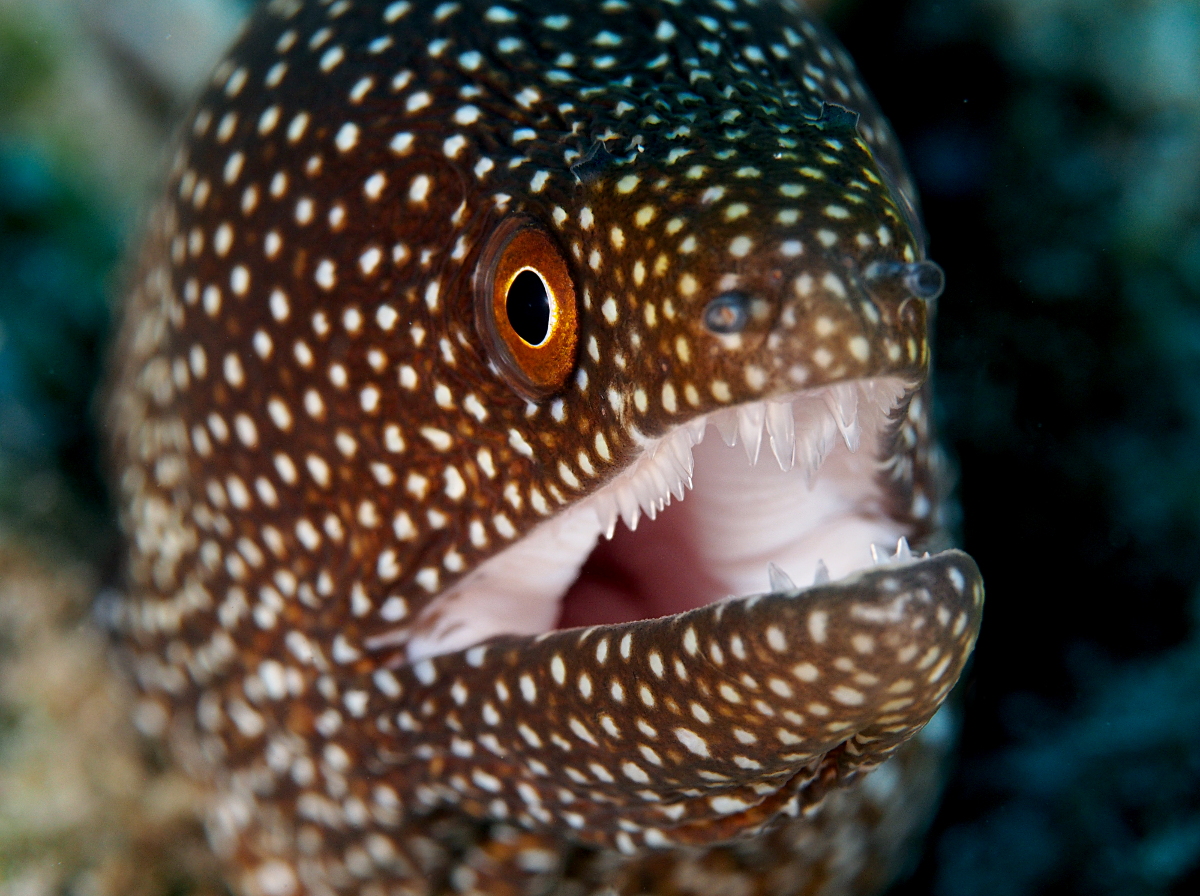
(490, 373)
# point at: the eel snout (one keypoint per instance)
(686, 729)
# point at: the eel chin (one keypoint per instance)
(803, 500)
(606, 684)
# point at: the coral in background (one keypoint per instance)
(83, 808)
(88, 93)
(86, 809)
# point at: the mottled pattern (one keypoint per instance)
(353, 516)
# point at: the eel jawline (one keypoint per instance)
(692, 728)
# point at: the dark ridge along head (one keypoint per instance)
(439, 294)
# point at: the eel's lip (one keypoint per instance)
(699, 727)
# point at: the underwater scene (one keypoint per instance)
(1055, 146)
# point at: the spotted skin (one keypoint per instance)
(315, 452)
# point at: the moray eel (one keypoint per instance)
(489, 372)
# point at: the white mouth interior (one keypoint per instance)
(801, 491)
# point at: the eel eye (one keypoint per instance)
(525, 307)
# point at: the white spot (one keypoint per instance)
(694, 742)
(347, 137)
(818, 622)
(528, 688)
(775, 639)
(727, 805)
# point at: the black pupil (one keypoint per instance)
(528, 307)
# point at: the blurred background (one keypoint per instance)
(1057, 146)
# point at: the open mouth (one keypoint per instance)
(613, 689)
(741, 501)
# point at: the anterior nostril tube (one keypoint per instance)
(728, 313)
(925, 280)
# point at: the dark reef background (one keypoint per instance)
(1057, 147)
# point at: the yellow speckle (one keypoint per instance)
(628, 183)
(683, 350)
(668, 398)
(602, 447)
(740, 246)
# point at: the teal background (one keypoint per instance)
(1057, 146)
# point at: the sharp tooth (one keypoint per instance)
(816, 434)
(750, 426)
(727, 425)
(903, 552)
(781, 427)
(822, 575)
(696, 429)
(678, 474)
(681, 455)
(875, 555)
(628, 503)
(659, 485)
(607, 515)
(652, 485)
(842, 402)
(780, 580)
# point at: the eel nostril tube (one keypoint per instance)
(728, 313)
(924, 279)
